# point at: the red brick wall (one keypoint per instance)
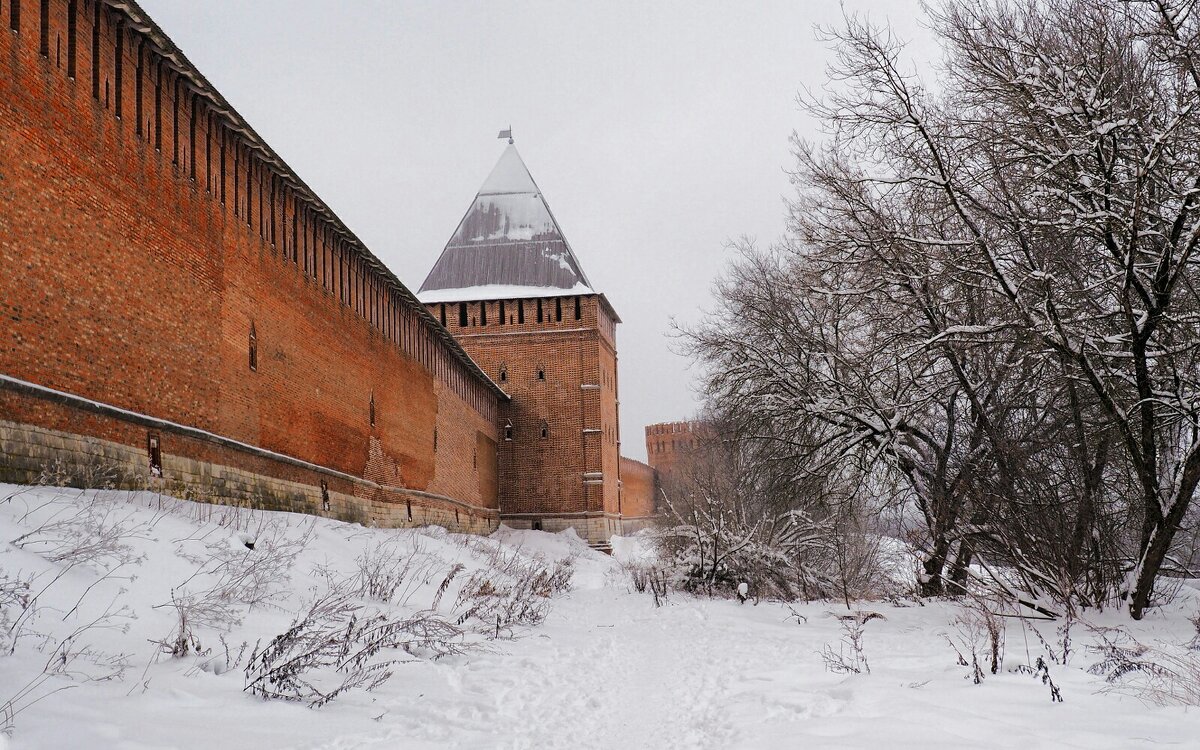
(639, 487)
(466, 452)
(127, 280)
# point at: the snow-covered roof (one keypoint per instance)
(510, 175)
(507, 240)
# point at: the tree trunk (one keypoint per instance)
(1162, 535)
(934, 568)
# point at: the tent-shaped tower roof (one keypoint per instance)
(508, 245)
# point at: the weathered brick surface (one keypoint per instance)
(143, 240)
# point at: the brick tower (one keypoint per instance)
(512, 293)
(669, 443)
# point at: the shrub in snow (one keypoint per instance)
(849, 658)
(716, 558)
(15, 599)
(337, 645)
(648, 577)
(73, 658)
(387, 573)
(978, 640)
(69, 531)
(1041, 670)
(246, 568)
(236, 572)
(1162, 674)
(516, 592)
(85, 529)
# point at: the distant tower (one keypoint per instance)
(511, 291)
(669, 443)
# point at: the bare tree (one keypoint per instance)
(1059, 163)
(986, 302)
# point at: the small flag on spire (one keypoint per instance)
(506, 134)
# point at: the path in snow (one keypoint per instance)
(608, 670)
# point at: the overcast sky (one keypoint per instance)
(657, 131)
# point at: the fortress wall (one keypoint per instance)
(159, 258)
(639, 488)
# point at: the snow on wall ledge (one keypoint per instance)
(499, 291)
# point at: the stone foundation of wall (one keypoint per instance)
(30, 454)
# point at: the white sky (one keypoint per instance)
(657, 131)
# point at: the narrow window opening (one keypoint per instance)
(545, 430)
(253, 348)
(483, 314)
(408, 506)
(14, 15)
(536, 524)
(372, 409)
(558, 309)
(508, 431)
(520, 311)
(192, 141)
(118, 67)
(71, 9)
(310, 262)
(503, 373)
(539, 311)
(503, 319)
(462, 314)
(324, 496)
(236, 179)
(175, 88)
(44, 29)
(154, 450)
(95, 50)
(578, 310)
(137, 91)
(475, 459)
(443, 315)
(249, 188)
(158, 123)
(541, 372)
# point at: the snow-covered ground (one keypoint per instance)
(606, 669)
